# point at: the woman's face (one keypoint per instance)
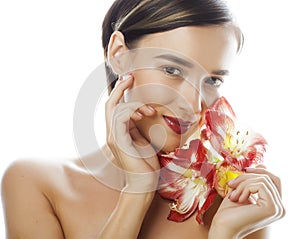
(180, 80)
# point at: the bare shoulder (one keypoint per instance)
(28, 211)
(46, 198)
(44, 175)
(32, 174)
(23, 170)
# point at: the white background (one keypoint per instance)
(48, 49)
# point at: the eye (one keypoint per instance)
(214, 81)
(172, 71)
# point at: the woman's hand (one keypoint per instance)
(254, 203)
(137, 159)
(134, 153)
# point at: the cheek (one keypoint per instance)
(150, 94)
(150, 87)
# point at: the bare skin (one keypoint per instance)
(62, 199)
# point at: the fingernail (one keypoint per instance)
(231, 182)
(125, 77)
(249, 169)
(139, 114)
(151, 108)
(229, 194)
(232, 194)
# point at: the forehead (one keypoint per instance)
(212, 47)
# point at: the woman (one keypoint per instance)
(154, 107)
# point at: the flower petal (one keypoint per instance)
(238, 146)
(196, 152)
(186, 204)
(221, 105)
(206, 205)
(185, 187)
(193, 175)
(224, 174)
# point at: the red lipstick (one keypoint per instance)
(179, 126)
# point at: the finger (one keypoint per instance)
(117, 93)
(115, 98)
(242, 192)
(143, 111)
(256, 176)
(261, 169)
(258, 188)
(136, 116)
(136, 135)
(246, 179)
(130, 160)
(143, 147)
(125, 111)
(264, 199)
(119, 135)
(118, 129)
(276, 183)
(147, 110)
(260, 166)
(120, 121)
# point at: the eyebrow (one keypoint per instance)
(188, 64)
(221, 72)
(175, 59)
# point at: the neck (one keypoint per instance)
(103, 166)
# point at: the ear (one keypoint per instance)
(116, 47)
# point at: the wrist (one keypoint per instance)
(128, 216)
(139, 183)
(132, 207)
(141, 198)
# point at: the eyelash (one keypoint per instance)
(167, 70)
(214, 81)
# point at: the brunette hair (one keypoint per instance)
(137, 18)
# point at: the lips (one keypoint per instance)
(179, 126)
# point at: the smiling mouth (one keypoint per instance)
(178, 125)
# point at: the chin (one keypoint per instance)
(170, 143)
(168, 148)
(162, 138)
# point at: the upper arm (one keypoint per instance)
(28, 213)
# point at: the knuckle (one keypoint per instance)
(272, 210)
(280, 211)
(283, 212)
(275, 210)
(266, 178)
(262, 186)
(277, 180)
(110, 142)
(108, 104)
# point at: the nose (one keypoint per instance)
(190, 97)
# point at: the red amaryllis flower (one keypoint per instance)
(187, 180)
(224, 173)
(232, 147)
(192, 176)
(239, 147)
